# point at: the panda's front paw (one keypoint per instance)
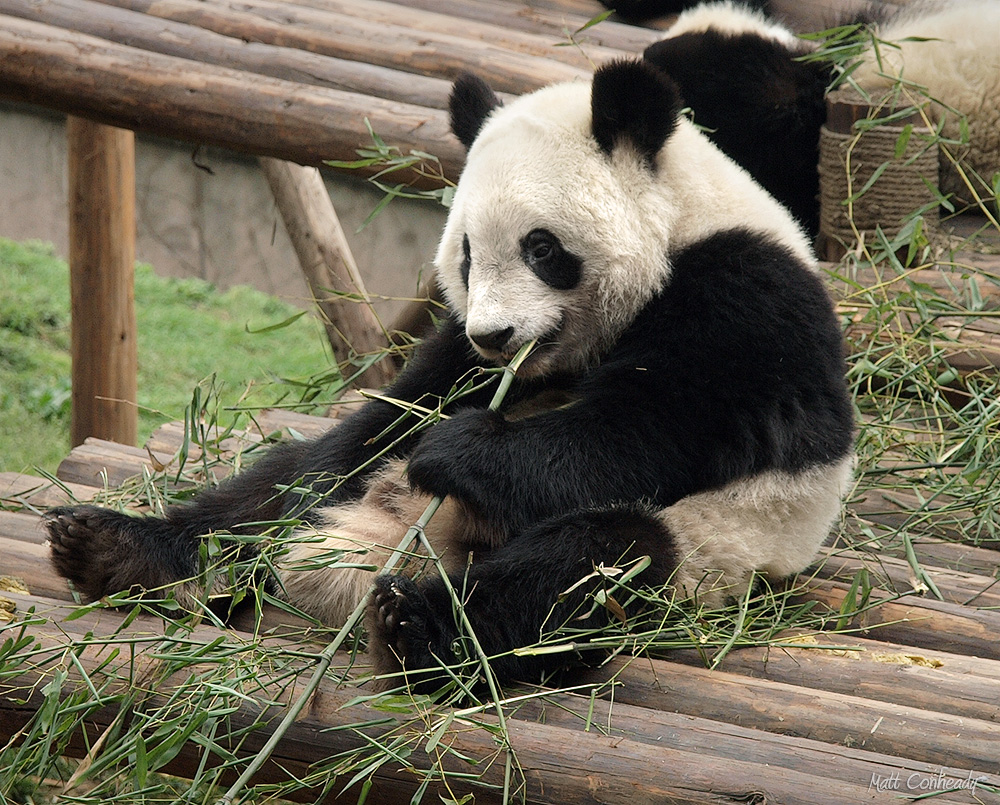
(404, 631)
(454, 457)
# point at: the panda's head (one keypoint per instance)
(555, 232)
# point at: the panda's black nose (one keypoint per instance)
(494, 341)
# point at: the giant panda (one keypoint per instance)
(685, 407)
(751, 85)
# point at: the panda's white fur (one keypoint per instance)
(525, 170)
(734, 18)
(950, 50)
(771, 525)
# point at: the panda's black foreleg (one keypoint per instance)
(514, 595)
(103, 551)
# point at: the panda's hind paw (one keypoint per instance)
(404, 633)
(90, 547)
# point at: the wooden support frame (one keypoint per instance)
(102, 269)
(329, 268)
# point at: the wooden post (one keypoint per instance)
(328, 265)
(102, 265)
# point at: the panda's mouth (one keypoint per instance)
(540, 357)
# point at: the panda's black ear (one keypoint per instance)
(470, 102)
(636, 104)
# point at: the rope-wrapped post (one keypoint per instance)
(849, 158)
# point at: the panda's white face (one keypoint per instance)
(548, 238)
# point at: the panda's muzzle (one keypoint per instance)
(499, 347)
(492, 342)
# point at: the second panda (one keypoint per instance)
(702, 422)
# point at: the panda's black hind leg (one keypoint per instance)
(514, 595)
(103, 551)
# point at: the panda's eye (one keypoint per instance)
(538, 246)
(541, 251)
(466, 260)
(544, 254)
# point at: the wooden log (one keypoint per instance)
(21, 527)
(100, 464)
(190, 42)
(435, 22)
(29, 563)
(534, 18)
(269, 423)
(352, 327)
(32, 492)
(638, 755)
(102, 270)
(358, 39)
(177, 98)
(976, 341)
(922, 622)
(894, 574)
(948, 280)
(941, 553)
(934, 681)
(889, 511)
(104, 464)
(834, 718)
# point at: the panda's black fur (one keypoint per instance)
(759, 102)
(700, 415)
(750, 82)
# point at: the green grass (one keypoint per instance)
(188, 332)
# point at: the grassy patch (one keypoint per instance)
(188, 332)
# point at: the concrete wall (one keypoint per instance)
(209, 213)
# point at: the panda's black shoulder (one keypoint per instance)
(743, 300)
(755, 261)
(749, 282)
(744, 347)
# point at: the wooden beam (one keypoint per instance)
(190, 42)
(568, 748)
(173, 97)
(533, 18)
(512, 62)
(325, 257)
(102, 267)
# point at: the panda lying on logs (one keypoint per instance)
(702, 418)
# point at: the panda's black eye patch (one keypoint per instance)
(466, 260)
(544, 254)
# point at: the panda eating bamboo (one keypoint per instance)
(685, 409)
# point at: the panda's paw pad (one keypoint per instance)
(87, 546)
(401, 619)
